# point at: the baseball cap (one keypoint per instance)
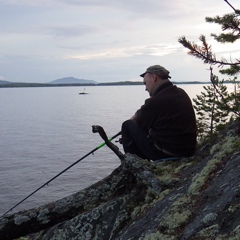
(158, 70)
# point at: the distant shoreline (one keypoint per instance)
(126, 83)
(19, 84)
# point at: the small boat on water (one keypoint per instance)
(83, 92)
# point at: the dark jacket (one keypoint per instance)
(170, 119)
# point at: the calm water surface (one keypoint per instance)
(44, 130)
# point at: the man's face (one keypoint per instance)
(149, 82)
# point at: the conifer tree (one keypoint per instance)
(211, 115)
(230, 24)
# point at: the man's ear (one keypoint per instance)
(155, 77)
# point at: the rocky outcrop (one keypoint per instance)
(194, 198)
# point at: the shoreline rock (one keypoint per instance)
(191, 198)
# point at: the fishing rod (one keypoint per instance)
(91, 152)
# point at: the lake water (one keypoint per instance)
(45, 130)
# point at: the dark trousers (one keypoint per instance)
(137, 141)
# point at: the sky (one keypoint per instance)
(106, 40)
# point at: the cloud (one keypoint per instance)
(48, 39)
(70, 31)
(29, 2)
(151, 50)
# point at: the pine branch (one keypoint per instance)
(228, 22)
(235, 10)
(223, 38)
(233, 70)
(215, 84)
(203, 52)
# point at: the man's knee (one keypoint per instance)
(128, 124)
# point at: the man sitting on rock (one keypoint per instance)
(165, 125)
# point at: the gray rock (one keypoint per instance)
(194, 198)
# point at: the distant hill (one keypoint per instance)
(72, 80)
(4, 82)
